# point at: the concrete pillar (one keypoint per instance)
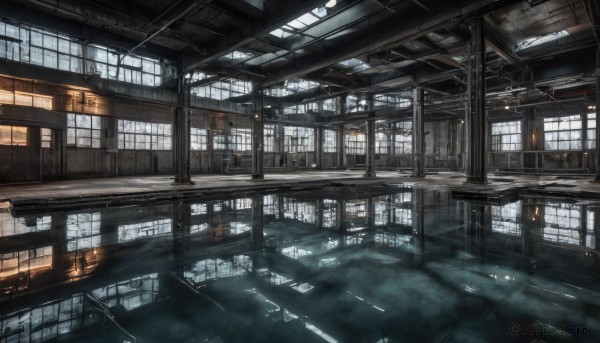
(370, 172)
(182, 221)
(476, 114)
(341, 148)
(418, 138)
(182, 134)
(258, 136)
(319, 214)
(598, 114)
(476, 219)
(319, 147)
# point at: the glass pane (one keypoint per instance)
(96, 122)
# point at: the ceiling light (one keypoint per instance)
(331, 3)
(506, 107)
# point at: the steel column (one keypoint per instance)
(258, 135)
(418, 137)
(182, 134)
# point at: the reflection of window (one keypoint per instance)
(403, 138)
(356, 210)
(329, 213)
(83, 231)
(562, 223)
(83, 130)
(218, 268)
(13, 135)
(10, 225)
(393, 240)
(302, 211)
(356, 143)
(590, 236)
(198, 139)
(403, 216)
(26, 260)
(198, 209)
(329, 141)
(381, 143)
(243, 203)
(46, 138)
(130, 294)
(381, 213)
(506, 136)
(506, 219)
(129, 232)
(139, 135)
(562, 133)
(591, 131)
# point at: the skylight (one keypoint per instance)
(237, 55)
(300, 23)
(531, 42)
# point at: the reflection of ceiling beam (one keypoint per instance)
(385, 30)
(275, 15)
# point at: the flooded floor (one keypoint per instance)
(386, 263)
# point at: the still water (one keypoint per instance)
(344, 264)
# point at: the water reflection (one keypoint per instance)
(337, 265)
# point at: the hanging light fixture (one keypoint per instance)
(331, 3)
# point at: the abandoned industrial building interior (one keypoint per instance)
(299, 171)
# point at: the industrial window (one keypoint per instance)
(139, 135)
(10, 225)
(83, 231)
(223, 90)
(381, 143)
(130, 294)
(562, 133)
(198, 209)
(329, 213)
(46, 136)
(330, 105)
(198, 139)
(271, 205)
(330, 141)
(591, 131)
(20, 262)
(49, 49)
(241, 139)
(393, 240)
(590, 236)
(356, 143)
(301, 211)
(219, 142)
(356, 209)
(381, 213)
(403, 216)
(506, 219)
(26, 99)
(13, 135)
(390, 100)
(506, 136)
(300, 23)
(562, 223)
(403, 138)
(269, 139)
(299, 139)
(83, 131)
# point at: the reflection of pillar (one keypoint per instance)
(418, 223)
(319, 213)
(583, 219)
(257, 223)
(476, 218)
(258, 135)
(182, 134)
(59, 226)
(476, 115)
(418, 138)
(182, 220)
(528, 219)
(370, 213)
(339, 215)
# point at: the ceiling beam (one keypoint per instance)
(274, 16)
(386, 30)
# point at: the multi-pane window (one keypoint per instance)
(139, 135)
(403, 138)
(83, 231)
(506, 136)
(241, 139)
(562, 133)
(129, 232)
(356, 143)
(10, 225)
(83, 131)
(591, 131)
(381, 143)
(562, 223)
(13, 135)
(330, 105)
(25, 99)
(390, 100)
(49, 49)
(590, 235)
(330, 142)
(223, 90)
(506, 219)
(198, 139)
(302, 211)
(269, 138)
(219, 142)
(299, 139)
(46, 136)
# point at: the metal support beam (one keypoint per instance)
(597, 114)
(182, 134)
(319, 148)
(476, 112)
(370, 172)
(258, 135)
(418, 137)
(341, 148)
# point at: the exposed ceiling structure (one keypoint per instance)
(538, 51)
